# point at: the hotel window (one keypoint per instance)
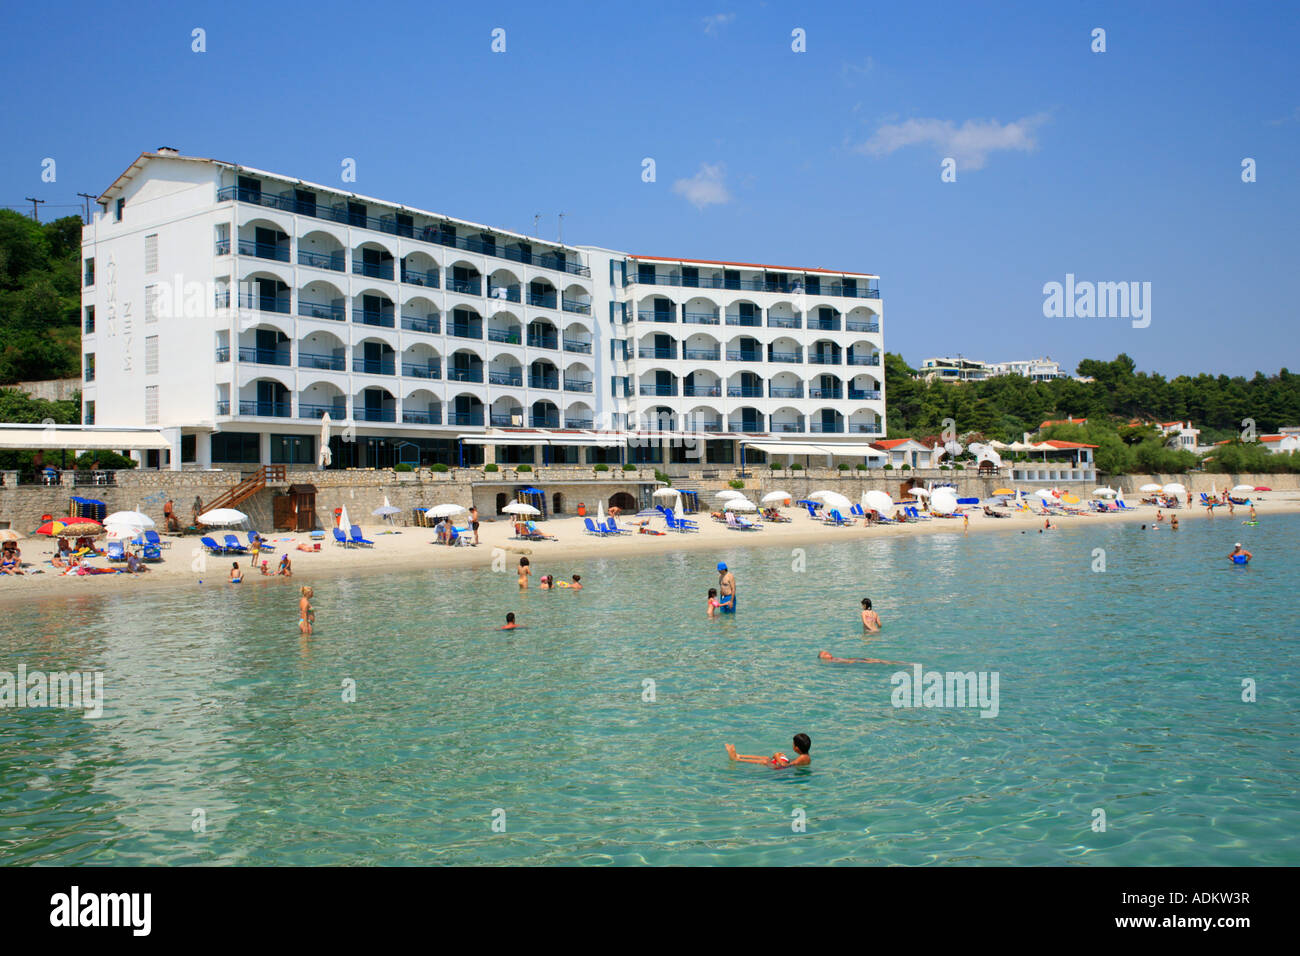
(88, 326)
(117, 210)
(293, 449)
(151, 355)
(239, 447)
(90, 366)
(189, 448)
(151, 254)
(88, 413)
(151, 404)
(151, 299)
(88, 273)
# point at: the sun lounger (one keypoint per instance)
(152, 538)
(233, 546)
(152, 552)
(341, 538)
(261, 542)
(680, 524)
(536, 534)
(738, 524)
(613, 528)
(359, 538)
(835, 518)
(115, 551)
(212, 546)
(857, 511)
(600, 532)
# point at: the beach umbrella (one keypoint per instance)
(832, 499)
(1150, 486)
(943, 501)
(1263, 488)
(1004, 491)
(344, 520)
(70, 526)
(739, 504)
(1175, 489)
(11, 534)
(447, 510)
(772, 497)
(515, 508)
(600, 511)
(326, 456)
(919, 493)
(129, 519)
(726, 493)
(1242, 488)
(999, 445)
(1104, 492)
(877, 501)
(222, 516)
(1045, 493)
(1070, 499)
(386, 509)
(665, 492)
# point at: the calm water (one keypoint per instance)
(1118, 690)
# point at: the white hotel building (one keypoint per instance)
(231, 309)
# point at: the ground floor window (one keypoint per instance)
(720, 452)
(189, 449)
(603, 455)
(566, 454)
(514, 454)
(237, 447)
(293, 449)
(645, 454)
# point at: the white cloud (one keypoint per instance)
(716, 21)
(708, 187)
(970, 144)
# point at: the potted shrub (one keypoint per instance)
(600, 466)
(439, 467)
(736, 483)
(523, 468)
(861, 467)
(631, 467)
(795, 466)
(907, 467)
(888, 467)
(843, 466)
(775, 466)
(490, 466)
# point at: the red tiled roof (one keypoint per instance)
(1065, 421)
(1271, 437)
(1055, 443)
(757, 265)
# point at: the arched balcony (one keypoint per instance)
(700, 311)
(784, 349)
(373, 356)
(321, 250)
(465, 323)
(746, 420)
(374, 404)
(265, 397)
(824, 352)
(466, 410)
(542, 294)
(787, 419)
(744, 348)
(543, 374)
(264, 239)
(745, 313)
(826, 421)
(420, 268)
(464, 365)
(372, 307)
(422, 407)
(320, 299)
(658, 382)
(324, 351)
(863, 353)
(744, 384)
(702, 418)
(864, 388)
(542, 334)
(505, 327)
(862, 319)
(507, 412)
(505, 370)
(544, 414)
(701, 347)
(826, 387)
(702, 383)
(421, 360)
(372, 260)
(579, 415)
(321, 398)
(864, 421)
(420, 314)
(785, 385)
(577, 338)
(784, 315)
(576, 299)
(463, 278)
(578, 377)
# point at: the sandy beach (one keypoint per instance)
(412, 548)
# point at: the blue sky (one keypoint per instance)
(1115, 166)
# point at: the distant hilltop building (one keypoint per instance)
(230, 309)
(961, 369)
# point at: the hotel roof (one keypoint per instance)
(758, 265)
(1065, 421)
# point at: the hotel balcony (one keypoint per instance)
(508, 336)
(864, 394)
(416, 370)
(823, 358)
(465, 330)
(788, 391)
(514, 379)
(660, 390)
(835, 393)
(319, 310)
(857, 325)
(702, 391)
(796, 426)
(465, 286)
(543, 337)
(381, 319)
(373, 268)
(753, 321)
(744, 356)
(864, 360)
(413, 417)
(657, 352)
(814, 286)
(544, 419)
(784, 321)
(416, 277)
(277, 252)
(818, 426)
(575, 305)
(504, 293)
(252, 300)
(421, 323)
(356, 214)
(338, 412)
(577, 345)
(374, 366)
(474, 375)
(335, 262)
(542, 300)
(316, 360)
(465, 418)
(570, 422)
(578, 385)
(744, 391)
(248, 353)
(260, 409)
(864, 428)
(700, 318)
(793, 357)
(550, 383)
(375, 414)
(702, 355)
(824, 325)
(656, 315)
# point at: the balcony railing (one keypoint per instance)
(748, 320)
(700, 318)
(656, 315)
(421, 323)
(543, 421)
(465, 286)
(864, 359)
(865, 394)
(826, 427)
(577, 385)
(465, 331)
(823, 359)
(785, 357)
(824, 393)
(370, 317)
(413, 417)
(869, 428)
(373, 270)
(823, 325)
(575, 305)
(744, 391)
(787, 426)
(506, 378)
(261, 250)
(330, 363)
(744, 356)
(335, 261)
(374, 366)
(659, 352)
(544, 342)
(775, 391)
(249, 300)
(665, 390)
(509, 336)
(336, 412)
(426, 233)
(857, 325)
(505, 419)
(542, 300)
(505, 293)
(543, 381)
(702, 355)
(223, 407)
(411, 370)
(784, 322)
(416, 277)
(578, 422)
(702, 391)
(319, 310)
(376, 414)
(574, 345)
(465, 418)
(264, 409)
(465, 375)
(747, 427)
(851, 291)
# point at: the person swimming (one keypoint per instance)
(1239, 555)
(510, 624)
(831, 659)
(778, 761)
(871, 623)
(713, 602)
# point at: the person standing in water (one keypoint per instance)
(524, 570)
(1239, 555)
(870, 619)
(306, 613)
(726, 590)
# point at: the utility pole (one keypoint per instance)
(88, 197)
(561, 228)
(35, 203)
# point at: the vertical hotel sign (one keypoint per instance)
(113, 325)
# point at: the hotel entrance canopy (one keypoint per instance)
(80, 437)
(855, 449)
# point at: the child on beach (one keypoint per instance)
(779, 761)
(575, 586)
(306, 613)
(870, 619)
(235, 574)
(286, 566)
(713, 602)
(510, 624)
(545, 583)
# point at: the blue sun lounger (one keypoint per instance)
(233, 546)
(836, 518)
(341, 538)
(612, 528)
(151, 538)
(359, 538)
(593, 529)
(212, 546)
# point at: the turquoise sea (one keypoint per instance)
(1119, 691)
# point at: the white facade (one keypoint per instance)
(234, 308)
(1037, 370)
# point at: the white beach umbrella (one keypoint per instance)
(133, 519)
(943, 501)
(877, 501)
(919, 493)
(1150, 486)
(1104, 492)
(447, 510)
(739, 504)
(345, 521)
(1240, 489)
(518, 508)
(1175, 488)
(772, 497)
(326, 456)
(726, 493)
(833, 499)
(1045, 493)
(666, 492)
(386, 509)
(220, 517)
(600, 511)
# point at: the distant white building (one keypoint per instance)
(1037, 370)
(1181, 435)
(946, 369)
(1286, 441)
